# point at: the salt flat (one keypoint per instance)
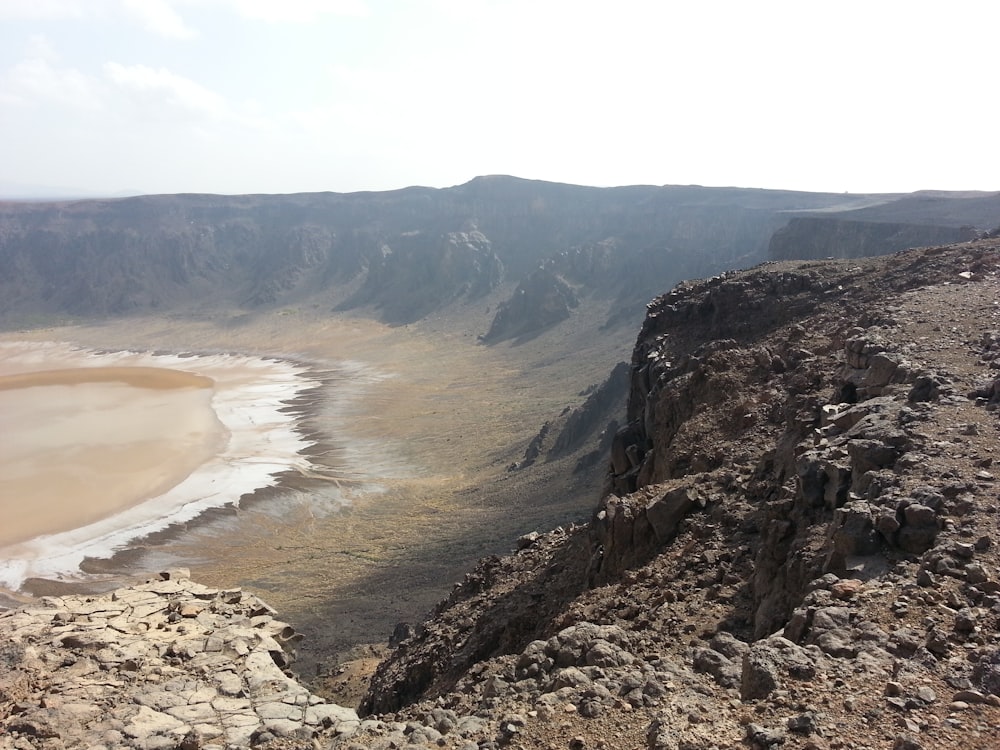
(101, 448)
(84, 446)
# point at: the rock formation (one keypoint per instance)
(805, 238)
(578, 426)
(420, 273)
(798, 548)
(539, 302)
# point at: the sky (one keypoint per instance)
(107, 97)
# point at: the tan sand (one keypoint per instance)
(156, 378)
(80, 445)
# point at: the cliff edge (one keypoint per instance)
(798, 546)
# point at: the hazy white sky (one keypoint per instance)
(277, 96)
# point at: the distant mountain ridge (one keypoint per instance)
(403, 254)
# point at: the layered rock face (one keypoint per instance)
(815, 238)
(793, 376)
(406, 254)
(419, 273)
(539, 302)
(594, 422)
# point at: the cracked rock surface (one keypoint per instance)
(164, 664)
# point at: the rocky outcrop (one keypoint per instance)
(419, 272)
(603, 406)
(694, 356)
(629, 531)
(497, 608)
(821, 417)
(164, 664)
(539, 302)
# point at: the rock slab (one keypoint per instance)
(163, 664)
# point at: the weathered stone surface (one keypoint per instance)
(722, 669)
(632, 529)
(172, 685)
(729, 646)
(770, 662)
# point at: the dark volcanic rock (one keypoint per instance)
(767, 479)
(597, 416)
(421, 272)
(539, 302)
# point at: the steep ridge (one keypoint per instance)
(799, 544)
(593, 423)
(421, 273)
(540, 301)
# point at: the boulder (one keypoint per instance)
(769, 662)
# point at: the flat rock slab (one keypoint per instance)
(177, 661)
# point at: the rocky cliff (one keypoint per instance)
(919, 219)
(799, 544)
